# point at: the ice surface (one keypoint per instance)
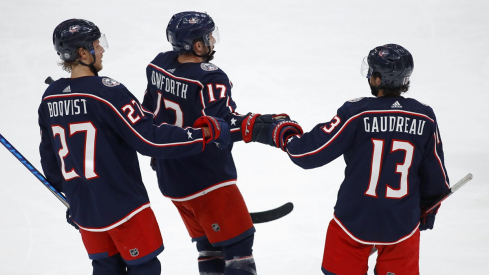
(299, 57)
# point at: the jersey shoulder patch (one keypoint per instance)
(109, 82)
(208, 67)
(356, 99)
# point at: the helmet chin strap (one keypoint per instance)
(91, 66)
(208, 57)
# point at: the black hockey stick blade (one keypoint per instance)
(49, 80)
(452, 190)
(272, 214)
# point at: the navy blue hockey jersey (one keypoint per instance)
(179, 93)
(394, 165)
(91, 128)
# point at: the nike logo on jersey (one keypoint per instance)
(396, 105)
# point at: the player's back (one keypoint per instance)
(99, 170)
(394, 164)
(179, 93)
(389, 159)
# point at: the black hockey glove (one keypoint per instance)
(274, 130)
(219, 128)
(427, 221)
(251, 120)
(69, 220)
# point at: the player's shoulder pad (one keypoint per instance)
(423, 108)
(209, 67)
(354, 106)
(355, 99)
(422, 103)
(211, 73)
(109, 82)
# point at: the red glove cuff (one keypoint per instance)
(247, 127)
(212, 124)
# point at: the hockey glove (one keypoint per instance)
(427, 221)
(219, 130)
(69, 220)
(267, 129)
(254, 122)
(283, 131)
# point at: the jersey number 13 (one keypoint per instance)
(403, 169)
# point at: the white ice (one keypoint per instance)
(299, 57)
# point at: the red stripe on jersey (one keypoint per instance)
(123, 119)
(348, 121)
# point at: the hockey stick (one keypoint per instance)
(256, 217)
(33, 170)
(452, 190)
(272, 214)
(49, 80)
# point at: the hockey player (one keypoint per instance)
(182, 86)
(394, 169)
(91, 128)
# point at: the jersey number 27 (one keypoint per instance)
(89, 159)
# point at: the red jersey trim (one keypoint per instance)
(116, 224)
(125, 121)
(373, 243)
(205, 191)
(347, 122)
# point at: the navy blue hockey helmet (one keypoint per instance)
(185, 27)
(393, 62)
(71, 34)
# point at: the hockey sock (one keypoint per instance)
(113, 265)
(239, 258)
(210, 259)
(151, 267)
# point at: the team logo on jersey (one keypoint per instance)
(109, 82)
(74, 29)
(208, 67)
(171, 70)
(134, 252)
(356, 99)
(216, 227)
